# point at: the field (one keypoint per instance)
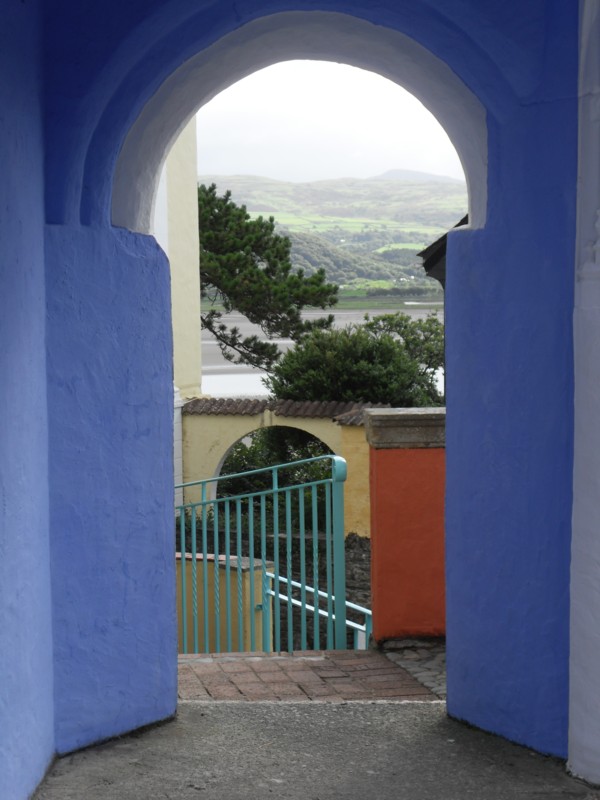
(356, 299)
(374, 302)
(355, 229)
(423, 206)
(367, 304)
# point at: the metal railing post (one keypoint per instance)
(339, 472)
(183, 580)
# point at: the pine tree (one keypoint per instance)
(245, 267)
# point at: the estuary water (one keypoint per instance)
(221, 378)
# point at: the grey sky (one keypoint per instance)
(310, 120)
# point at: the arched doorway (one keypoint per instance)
(325, 36)
(509, 409)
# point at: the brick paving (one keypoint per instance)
(310, 676)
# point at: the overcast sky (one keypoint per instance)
(311, 120)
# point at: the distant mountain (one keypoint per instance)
(355, 227)
(410, 175)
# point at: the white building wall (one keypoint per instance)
(175, 227)
(584, 699)
(184, 252)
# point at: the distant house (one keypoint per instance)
(434, 256)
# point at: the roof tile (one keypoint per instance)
(346, 413)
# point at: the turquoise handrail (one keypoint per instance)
(270, 530)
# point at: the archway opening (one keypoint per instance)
(501, 481)
(362, 179)
(269, 446)
(478, 213)
(281, 37)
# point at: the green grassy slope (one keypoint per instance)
(357, 229)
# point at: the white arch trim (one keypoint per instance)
(284, 37)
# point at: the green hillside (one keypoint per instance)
(356, 229)
(344, 265)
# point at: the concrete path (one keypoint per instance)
(312, 726)
(385, 750)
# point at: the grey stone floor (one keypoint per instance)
(424, 660)
(311, 751)
(290, 750)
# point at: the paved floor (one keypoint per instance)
(306, 676)
(335, 726)
(386, 750)
(425, 660)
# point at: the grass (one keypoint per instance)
(421, 234)
(303, 222)
(359, 286)
(363, 302)
(403, 246)
(420, 211)
(358, 300)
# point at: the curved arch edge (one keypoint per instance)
(283, 37)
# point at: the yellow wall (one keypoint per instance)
(357, 497)
(213, 619)
(208, 438)
(183, 250)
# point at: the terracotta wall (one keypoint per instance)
(407, 477)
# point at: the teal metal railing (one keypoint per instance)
(265, 569)
(361, 631)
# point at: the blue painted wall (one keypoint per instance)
(110, 403)
(26, 708)
(105, 415)
(497, 49)
(510, 419)
(509, 309)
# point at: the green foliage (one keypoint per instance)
(270, 446)
(388, 359)
(245, 266)
(402, 256)
(421, 339)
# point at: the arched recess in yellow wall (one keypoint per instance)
(209, 436)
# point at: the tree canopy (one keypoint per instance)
(245, 267)
(388, 359)
(273, 445)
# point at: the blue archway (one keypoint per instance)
(85, 305)
(501, 464)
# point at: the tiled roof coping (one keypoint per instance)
(346, 413)
(405, 428)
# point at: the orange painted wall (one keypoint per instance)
(407, 542)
